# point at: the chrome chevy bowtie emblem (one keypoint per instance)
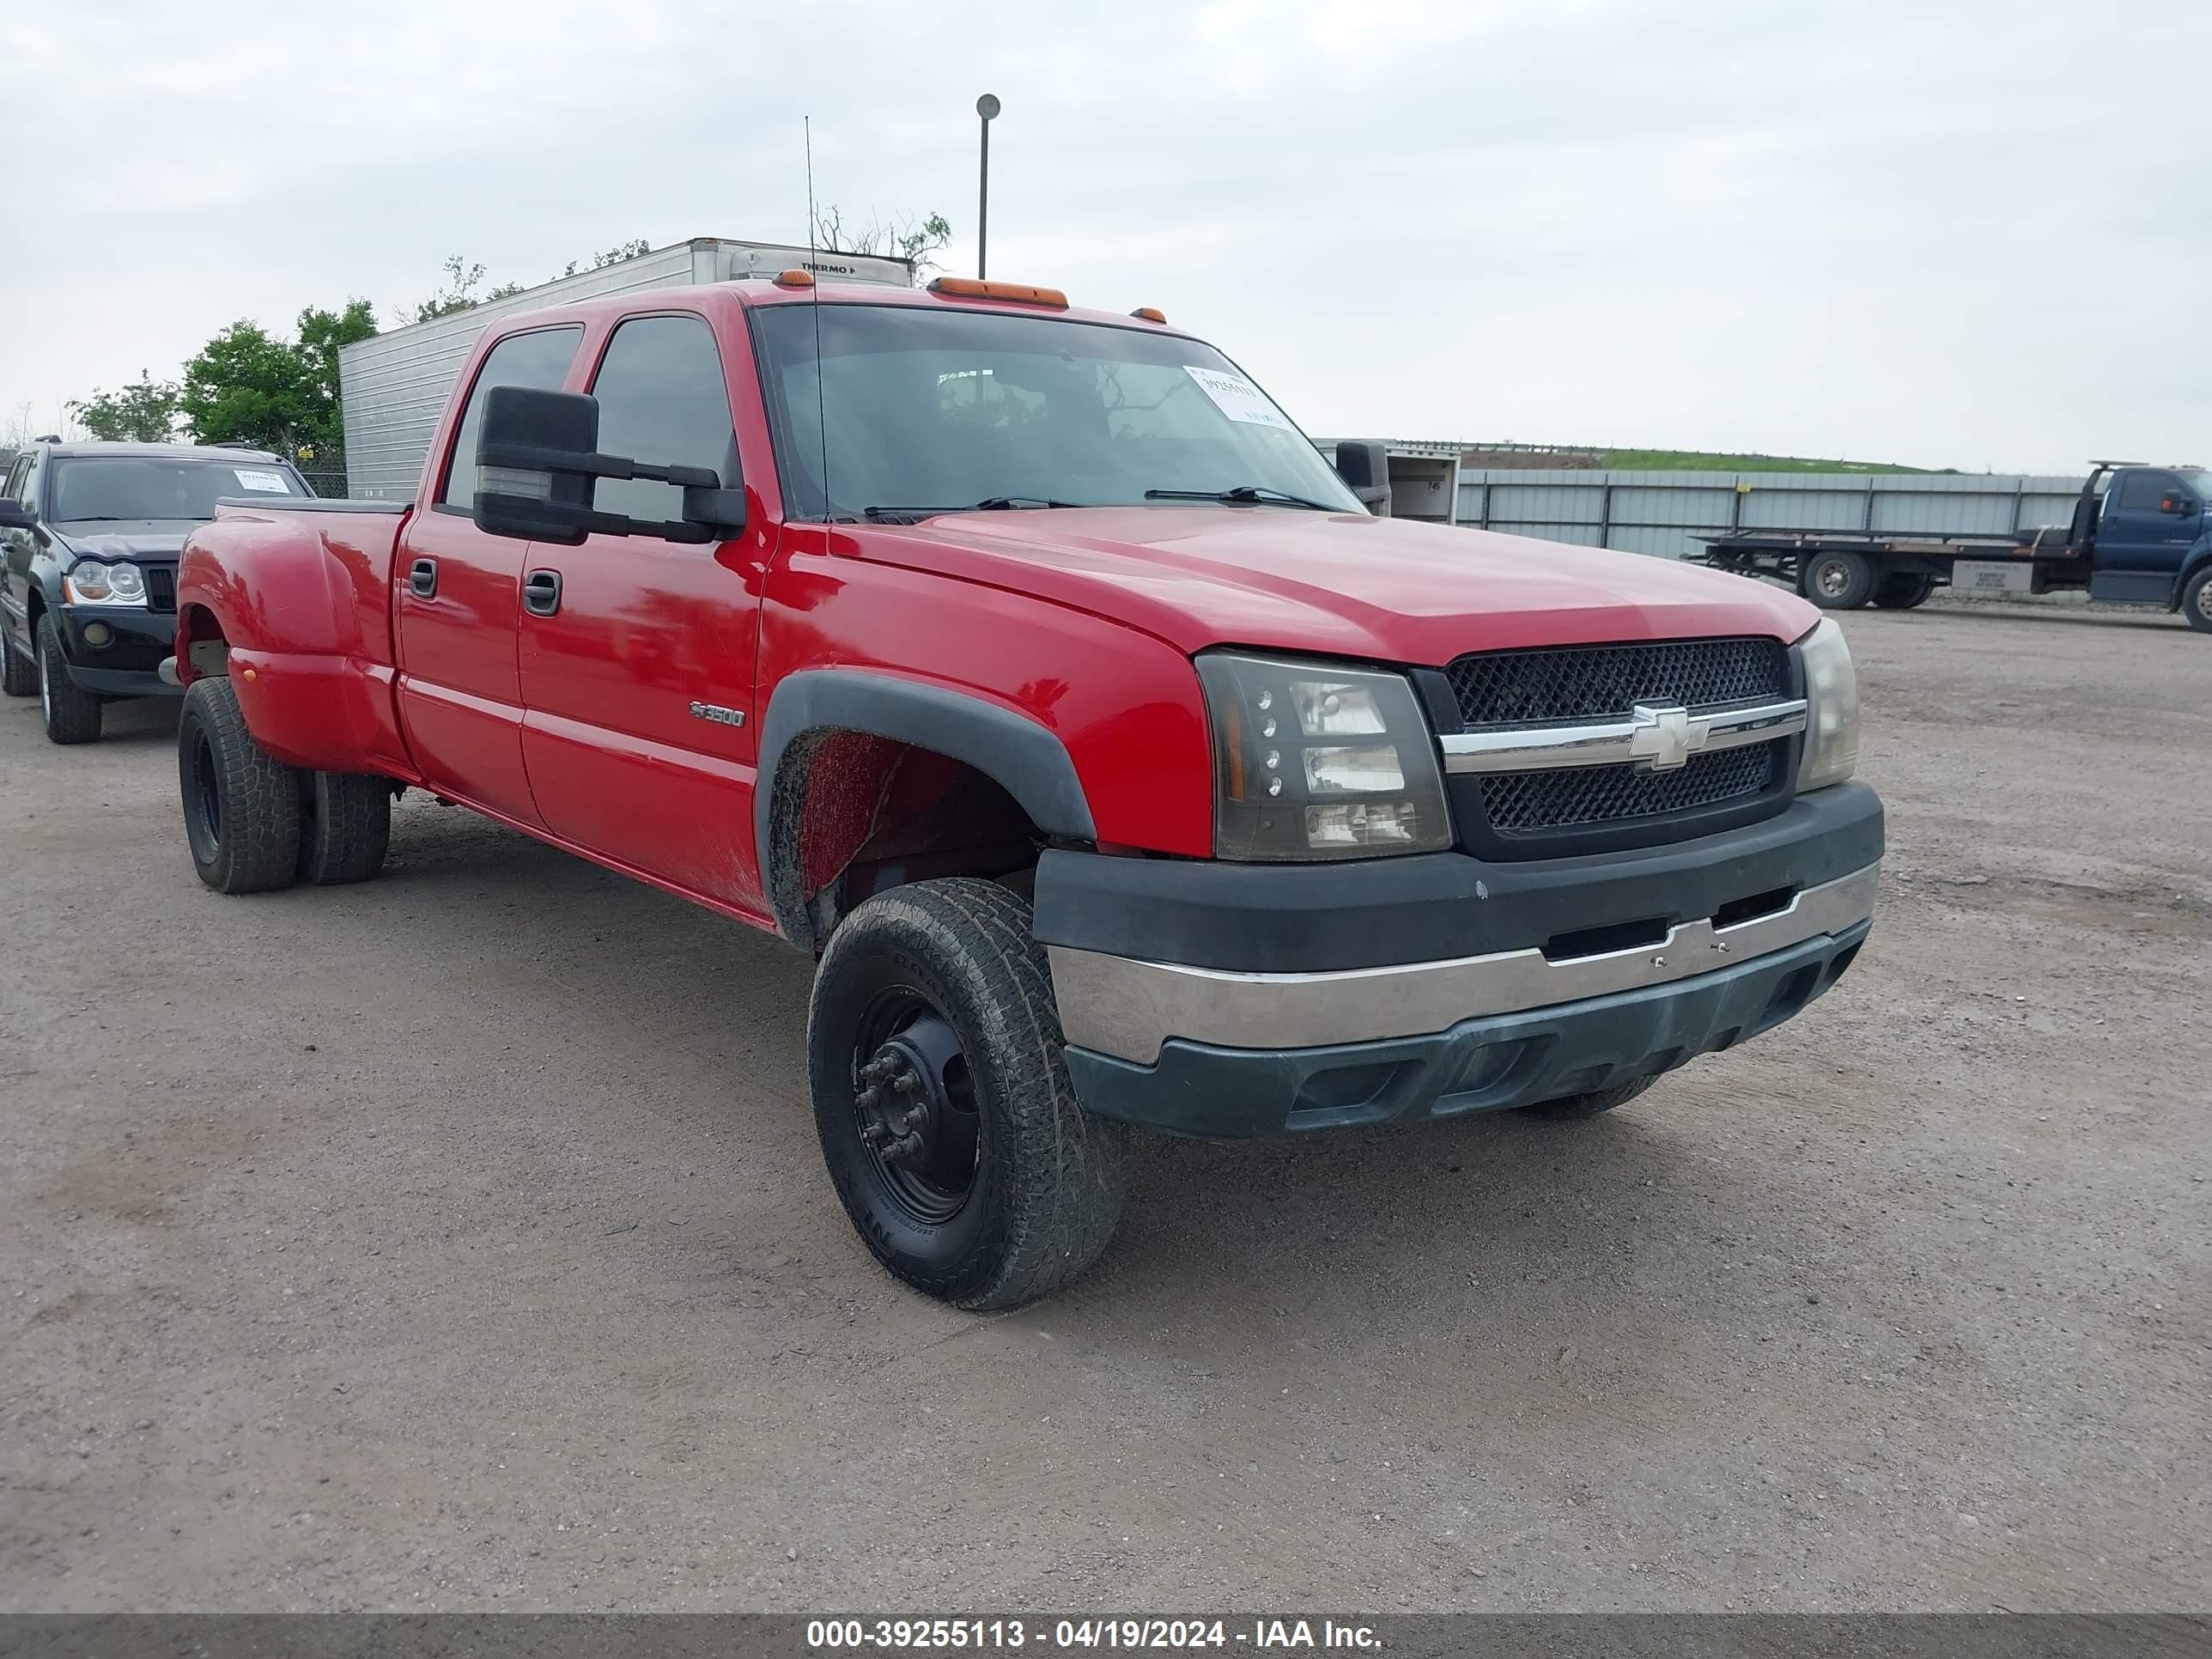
(1665, 736)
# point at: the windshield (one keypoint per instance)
(917, 408)
(88, 489)
(2197, 479)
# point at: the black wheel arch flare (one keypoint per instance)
(1022, 757)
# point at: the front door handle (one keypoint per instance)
(541, 592)
(422, 579)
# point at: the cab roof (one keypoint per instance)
(754, 292)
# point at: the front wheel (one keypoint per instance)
(241, 805)
(942, 1098)
(1571, 1107)
(71, 713)
(2196, 601)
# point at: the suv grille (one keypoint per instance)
(1601, 682)
(161, 587)
(1571, 684)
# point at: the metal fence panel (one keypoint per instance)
(1658, 513)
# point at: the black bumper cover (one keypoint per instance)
(129, 665)
(1480, 1064)
(1320, 918)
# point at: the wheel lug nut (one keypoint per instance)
(867, 1097)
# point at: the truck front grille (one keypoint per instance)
(1599, 682)
(1517, 803)
(161, 587)
(1538, 814)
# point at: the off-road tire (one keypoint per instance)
(241, 805)
(1568, 1108)
(2196, 601)
(72, 713)
(345, 825)
(1903, 592)
(1049, 1178)
(19, 674)
(1837, 582)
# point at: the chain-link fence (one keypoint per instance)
(327, 484)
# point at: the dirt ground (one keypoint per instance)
(461, 1241)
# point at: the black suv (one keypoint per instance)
(90, 534)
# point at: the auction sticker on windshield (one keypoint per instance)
(1238, 398)
(272, 483)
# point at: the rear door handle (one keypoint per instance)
(422, 579)
(541, 592)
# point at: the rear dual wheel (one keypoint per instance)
(254, 824)
(1903, 591)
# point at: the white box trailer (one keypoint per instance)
(392, 387)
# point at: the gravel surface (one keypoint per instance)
(460, 1240)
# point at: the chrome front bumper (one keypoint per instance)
(1128, 1009)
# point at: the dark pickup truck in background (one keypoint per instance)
(89, 536)
(2139, 535)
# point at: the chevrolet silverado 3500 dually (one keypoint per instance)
(1027, 667)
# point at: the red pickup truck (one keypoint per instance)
(1028, 667)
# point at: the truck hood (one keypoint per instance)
(1338, 583)
(135, 539)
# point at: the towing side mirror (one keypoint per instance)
(537, 465)
(14, 515)
(2179, 506)
(1365, 469)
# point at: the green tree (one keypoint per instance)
(144, 413)
(248, 386)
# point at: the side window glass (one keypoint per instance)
(540, 359)
(662, 400)
(2143, 491)
(16, 474)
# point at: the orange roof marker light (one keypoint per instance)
(1150, 314)
(970, 288)
(794, 278)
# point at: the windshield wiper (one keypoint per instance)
(989, 504)
(1241, 495)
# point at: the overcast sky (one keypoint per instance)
(1973, 233)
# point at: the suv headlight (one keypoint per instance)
(91, 582)
(1832, 724)
(1311, 760)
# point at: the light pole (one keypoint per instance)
(988, 107)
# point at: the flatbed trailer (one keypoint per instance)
(2138, 535)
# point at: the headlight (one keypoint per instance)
(1832, 724)
(91, 582)
(1315, 762)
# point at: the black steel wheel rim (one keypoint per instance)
(206, 799)
(913, 1107)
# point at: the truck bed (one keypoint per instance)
(309, 583)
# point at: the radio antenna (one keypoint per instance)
(814, 299)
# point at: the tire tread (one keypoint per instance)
(71, 713)
(258, 848)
